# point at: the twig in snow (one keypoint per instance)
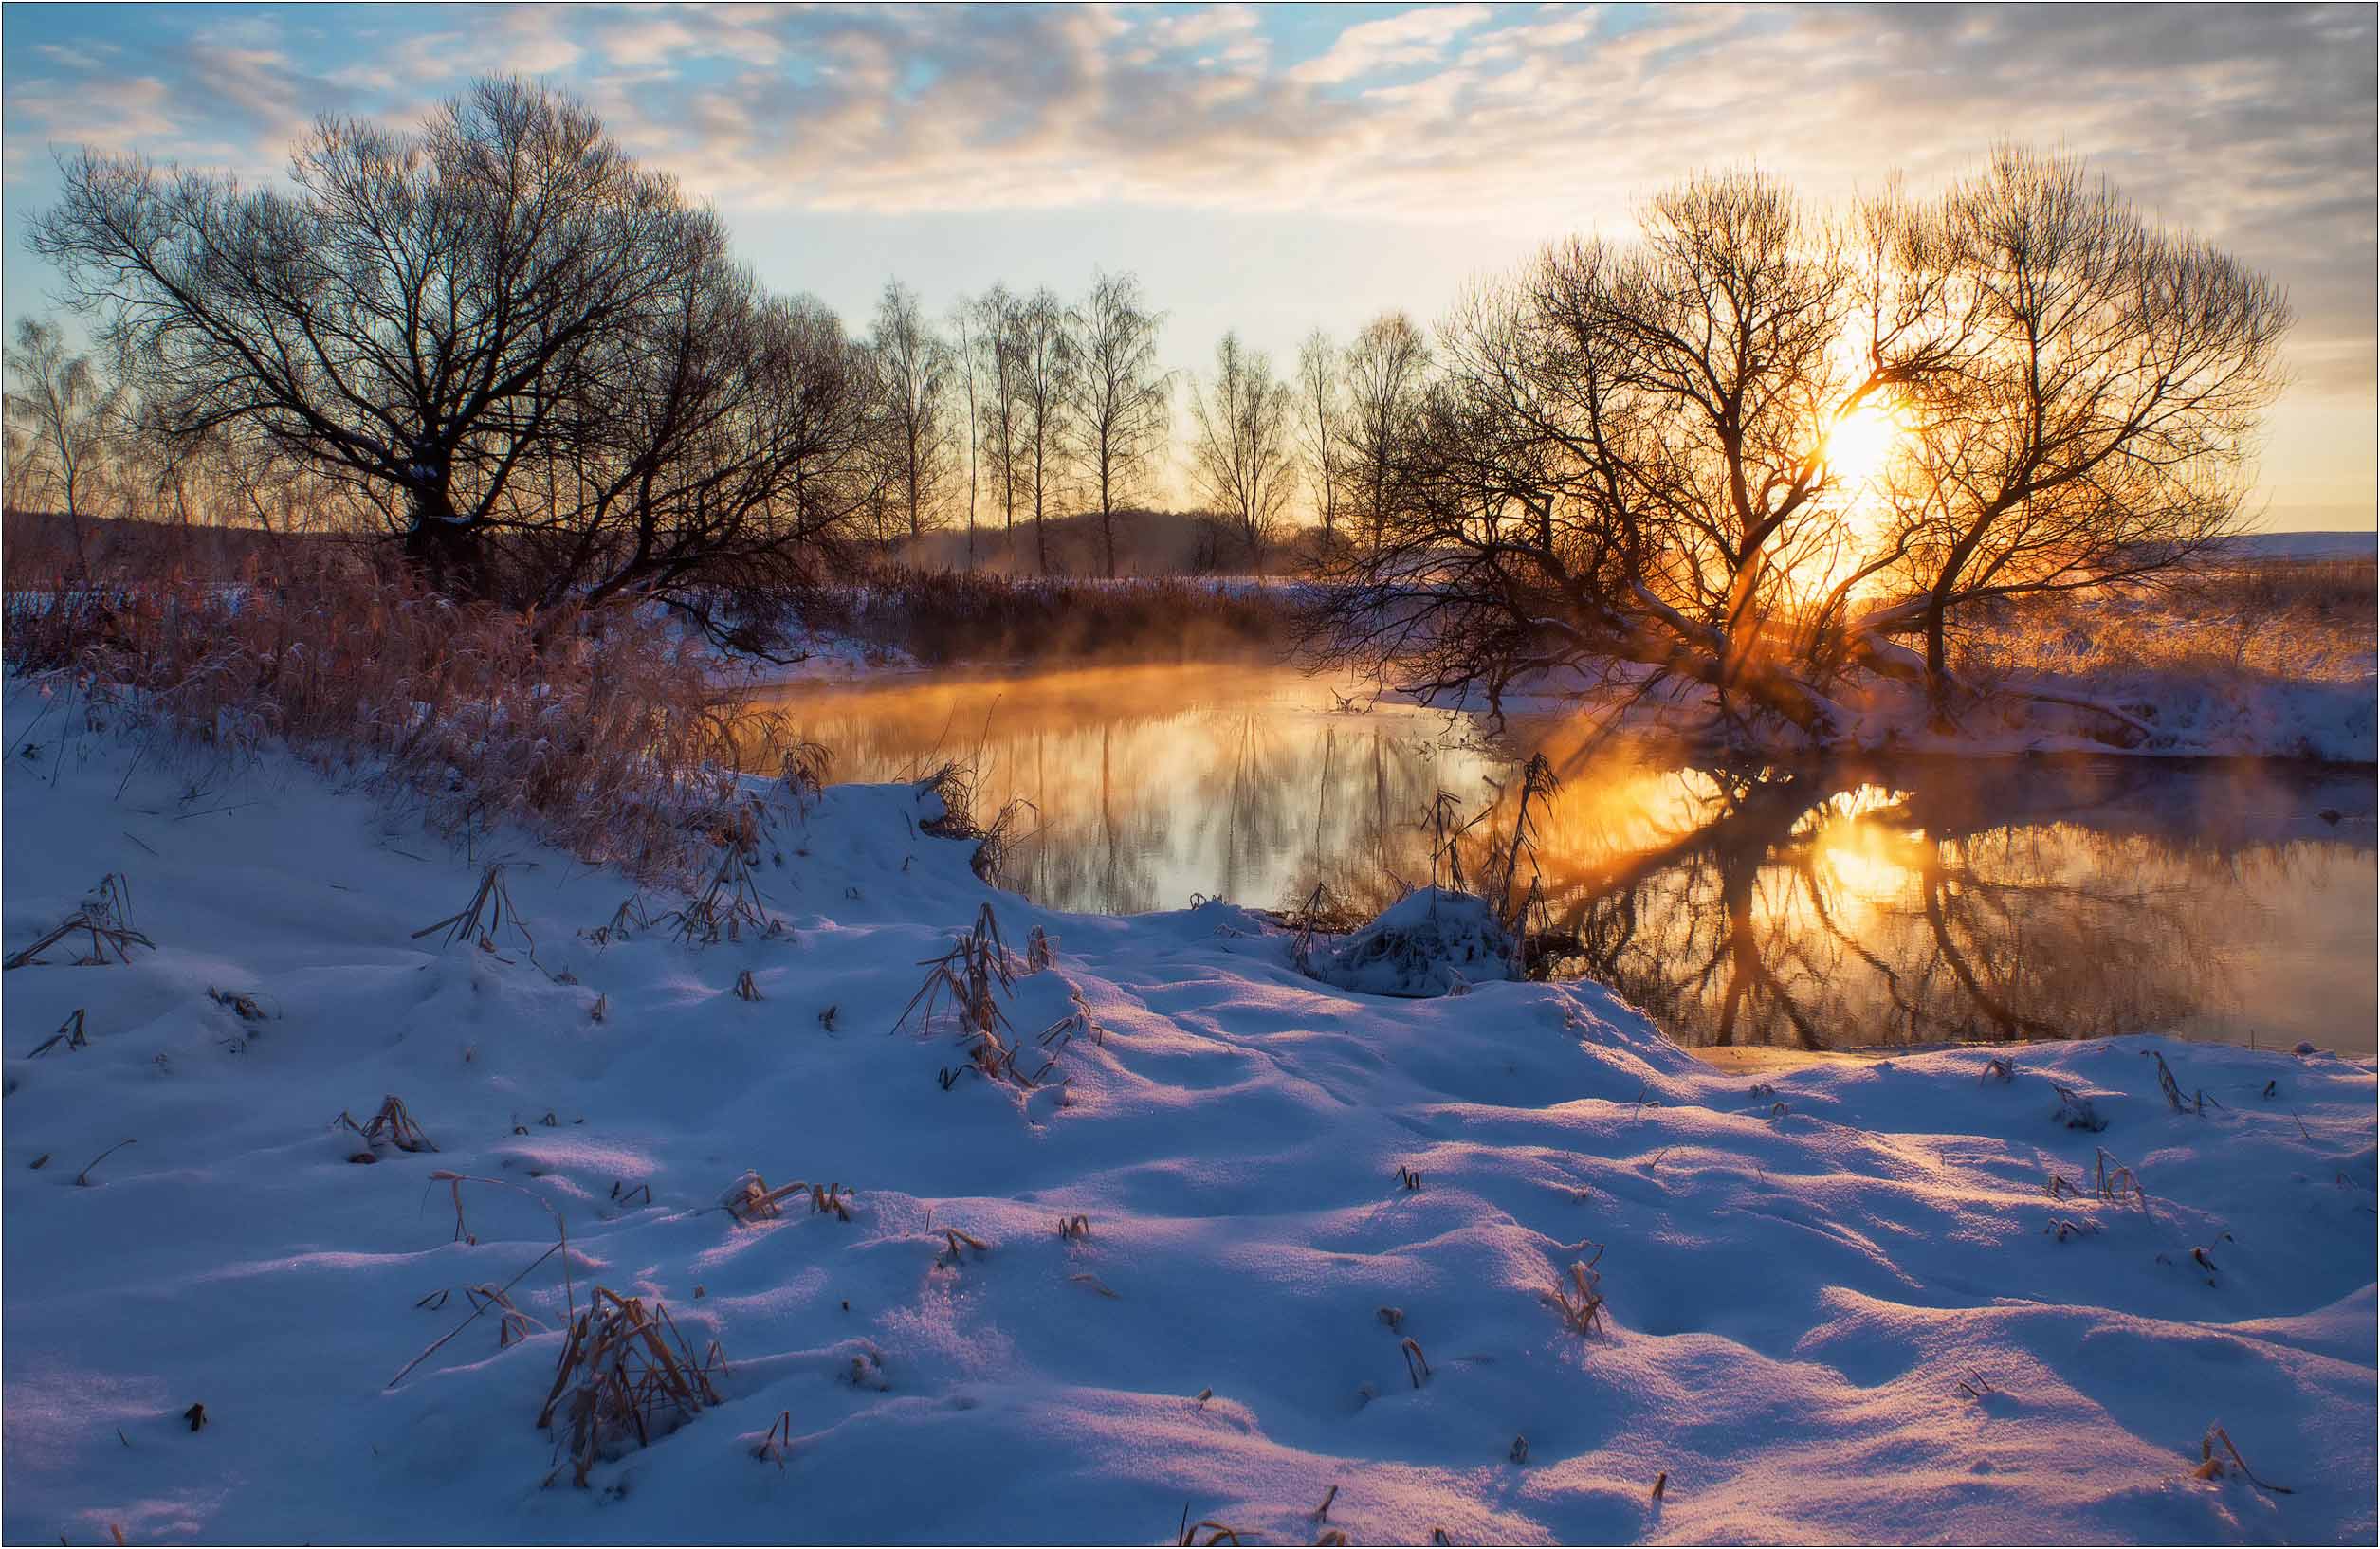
(82, 1180)
(1581, 1302)
(70, 1031)
(2210, 1467)
(1189, 1532)
(1417, 1364)
(772, 1448)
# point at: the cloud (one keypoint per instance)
(1413, 37)
(2253, 125)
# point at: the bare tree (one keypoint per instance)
(996, 340)
(1321, 427)
(914, 371)
(1044, 365)
(18, 468)
(417, 319)
(1241, 453)
(963, 333)
(1384, 371)
(727, 449)
(2098, 422)
(1636, 457)
(1119, 394)
(66, 414)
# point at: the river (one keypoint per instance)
(1847, 903)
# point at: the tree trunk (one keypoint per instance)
(1107, 521)
(447, 551)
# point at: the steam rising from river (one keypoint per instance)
(1847, 905)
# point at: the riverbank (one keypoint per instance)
(1163, 1260)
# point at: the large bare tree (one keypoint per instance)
(1638, 457)
(2097, 423)
(1242, 451)
(1119, 394)
(421, 317)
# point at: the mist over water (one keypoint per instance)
(1853, 902)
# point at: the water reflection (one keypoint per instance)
(1854, 903)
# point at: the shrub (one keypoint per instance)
(950, 615)
(596, 730)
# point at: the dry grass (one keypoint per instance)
(730, 903)
(2173, 1089)
(1217, 1533)
(2300, 620)
(82, 1180)
(393, 1125)
(596, 730)
(2076, 1111)
(488, 912)
(2210, 1464)
(1417, 1364)
(105, 917)
(2118, 1184)
(620, 1378)
(750, 1198)
(968, 982)
(1582, 1301)
(949, 616)
(69, 1035)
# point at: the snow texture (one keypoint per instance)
(1842, 1300)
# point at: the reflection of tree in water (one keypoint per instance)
(1842, 904)
(1826, 906)
(1143, 797)
(1822, 907)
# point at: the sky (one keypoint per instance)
(1273, 170)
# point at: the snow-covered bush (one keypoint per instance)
(1431, 941)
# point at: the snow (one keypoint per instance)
(1803, 1263)
(1431, 941)
(2189, 716)
(2303, 545)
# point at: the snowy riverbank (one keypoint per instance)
(2175, 715)
(1801, 1268)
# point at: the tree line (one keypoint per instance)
(536, 367)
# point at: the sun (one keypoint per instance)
(1861, 444)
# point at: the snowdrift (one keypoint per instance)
(1224, 1240)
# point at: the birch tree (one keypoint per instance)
(1119, 396)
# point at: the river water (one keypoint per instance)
(1843, 904)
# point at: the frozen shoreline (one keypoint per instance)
(1802, 1265)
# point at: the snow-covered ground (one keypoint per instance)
(1842, 1300)
(2187, 715)
(2304, 545)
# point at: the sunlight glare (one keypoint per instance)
(1862, 443)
